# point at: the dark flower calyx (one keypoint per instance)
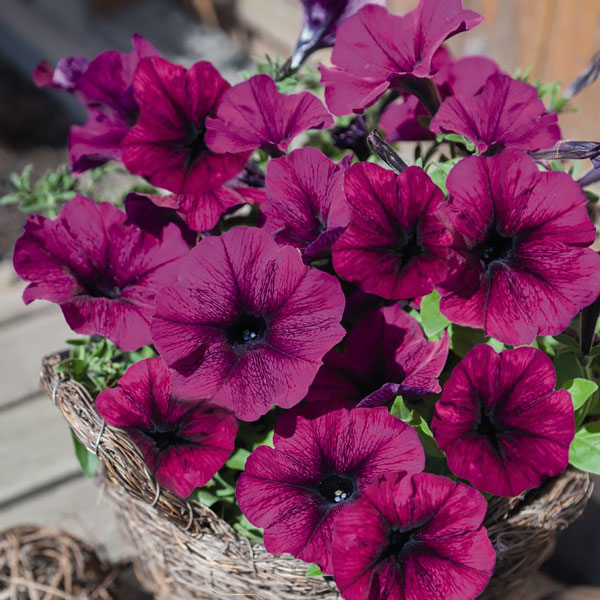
(336, 488)
(246, 329)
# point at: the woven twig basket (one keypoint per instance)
(187, 552)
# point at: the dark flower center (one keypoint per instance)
(408, 248)
(166, 439)
(336, 488)
(195, 142)
(496, 247)
(489, 427)
(399, 542)
(101, 288)
(247, 329)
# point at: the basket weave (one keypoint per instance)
(187, 552)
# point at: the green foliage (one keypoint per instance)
(46, 196)
(548, 92)
(305, 78)
(433, 321)
(439, 171)
(435, 458)
(98, 364)
(55, 188)
(584, 452)
(462, 339)
(581, 390)
(88, 461)
(455, 138)
(568, 367)
(314, 571)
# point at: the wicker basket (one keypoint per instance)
(187, 552)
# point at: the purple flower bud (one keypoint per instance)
(585, 78)
(353, 137)
(589, 318)
(321, 20)
(569, 150)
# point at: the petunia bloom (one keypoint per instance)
(200, 211)
(320, 465)
(418, 536)
(466, 75)
(398, 52)
(102, 270)
(386, 355)
(321, 20)
(396, 246)
(500, 422)
(254, 114)
(104, 86)
(247, 324)
(184, 444)
(306, 205)
(149, 213)
(522, 268)
(504, 113)
(168, 143)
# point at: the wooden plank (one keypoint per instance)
(36, 449)
(23, 344)
(76, 507)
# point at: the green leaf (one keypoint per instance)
(432, 319)
(584, 452)
(204, 497)
(580, 390)
(243, 526)
(87, 460)
(237, 461)
(314, 571)
(567, 366)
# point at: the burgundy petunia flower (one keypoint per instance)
(253, 114)
(102, 270)
(466, 76)
(320, 465)
(200, 212)
(522, 266)
(147, 212)
(104, 86)
(410, 537)
(248, 323)
(306, 206)
(321, 20)
(386, 356)
(504, 113)
(375, 50)
(396, 246)
(168, 143)
(500, 422)
(184, 444)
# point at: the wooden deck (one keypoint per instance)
(40, 480)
